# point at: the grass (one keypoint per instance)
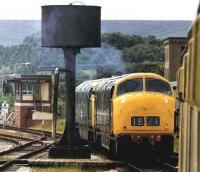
(18, 133)
(56, 169)
(60, 125)
(2, 158)
(77, 169)
(67, 169)
(70, 168)
(47, 125)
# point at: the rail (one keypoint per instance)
(134, 167)
(34, 145)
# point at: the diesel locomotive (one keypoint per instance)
(131, 109)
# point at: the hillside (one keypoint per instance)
(13, 32)
(161, 29)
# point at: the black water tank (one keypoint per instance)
(71, 26)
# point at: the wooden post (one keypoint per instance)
(55, 102)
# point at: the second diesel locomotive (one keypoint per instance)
(131, 109)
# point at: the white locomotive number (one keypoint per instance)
(153, 121)
(137, 121)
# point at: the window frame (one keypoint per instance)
(142, 90)
(27, 90)
(145, 83)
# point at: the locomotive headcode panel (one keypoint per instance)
(137, 121)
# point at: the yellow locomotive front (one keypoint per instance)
(143, 104)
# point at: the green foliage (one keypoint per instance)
(61, 106)
(139, 54)
(143, 52)
(120, 53)
(4, 70)
(145, 67)
(7, 88)
(80, 77)
(9, 99)
(107, 71)
(120, 40)
(58, 169)
(47, 125)
(117, 50)
(152, 40)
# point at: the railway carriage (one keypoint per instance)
(188, 106)
(131, 109)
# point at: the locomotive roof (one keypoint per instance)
(87, 85)
(108, 83)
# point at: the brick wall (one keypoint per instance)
(23, 115)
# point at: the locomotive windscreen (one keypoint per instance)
(133, 85)
(157, 85)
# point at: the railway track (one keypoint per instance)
(171, 164)
(12, 143)
(139, 166)
(37, 144)
(25, 147)
(28, 130)
(166, 167)
(170, 167)
(144, 163)
(133, 167)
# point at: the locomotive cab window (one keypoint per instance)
(157, 85)
(133, 85)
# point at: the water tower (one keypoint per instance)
(70, 27)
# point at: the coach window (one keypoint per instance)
(157, 85)
(133, 85)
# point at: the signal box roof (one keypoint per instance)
(18, 77)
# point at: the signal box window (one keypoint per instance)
(156, 85)
(133, 85)
(27, 88)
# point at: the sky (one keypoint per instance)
(111, 9)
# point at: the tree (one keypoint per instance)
(121, 41)
(151, 67)
(151, 40)
(143, 52)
